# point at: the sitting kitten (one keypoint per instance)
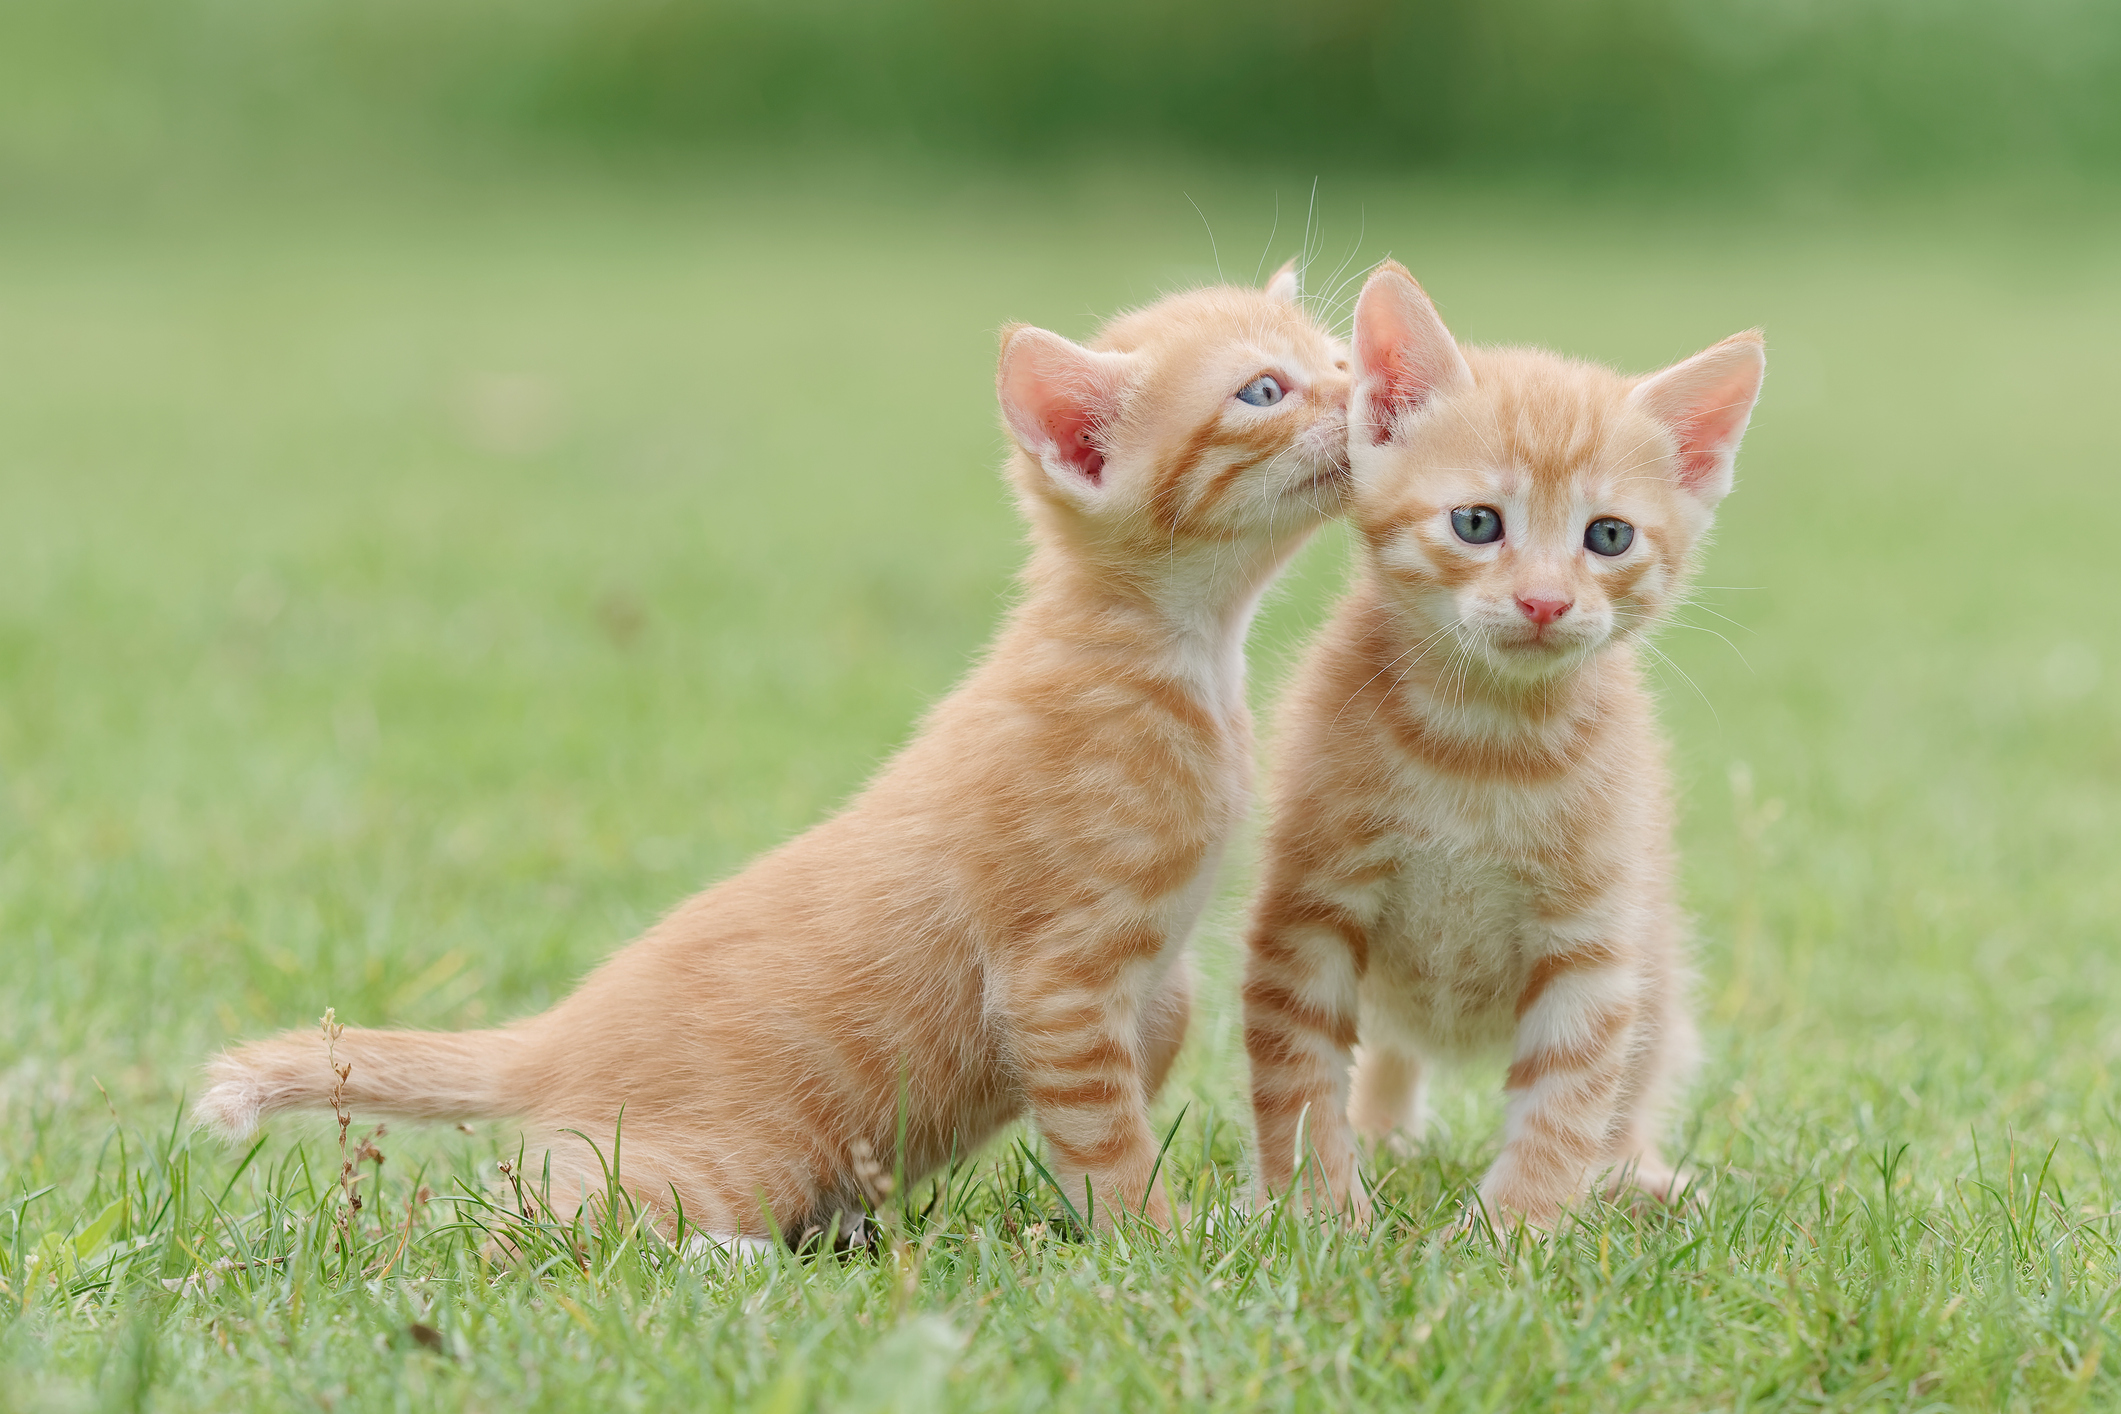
(997, 921)
(1472, 835)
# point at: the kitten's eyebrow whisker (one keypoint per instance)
(1339, 304)
(1310, 217)
(1352, 272)
(1339, 284)
(1267, 252)
(1211, 236)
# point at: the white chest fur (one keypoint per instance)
(1456, 924)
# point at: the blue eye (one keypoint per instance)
(1477, 525)
(1608, 536)
(1261, 392)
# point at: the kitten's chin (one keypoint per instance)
(1530, 660)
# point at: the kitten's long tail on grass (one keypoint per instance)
(459, 1075)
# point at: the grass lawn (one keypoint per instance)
(405, 596)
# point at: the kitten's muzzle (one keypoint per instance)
(1543, 624)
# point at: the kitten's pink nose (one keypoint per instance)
(1544, 611)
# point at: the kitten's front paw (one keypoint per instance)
(1150, 1206)
(1653, 1180)
(1354, 1204)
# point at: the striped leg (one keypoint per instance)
(1665, 1051)
(1578, 1023)
(1077, 1054)
(1301, 975)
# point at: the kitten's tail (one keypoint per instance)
(404, 1074)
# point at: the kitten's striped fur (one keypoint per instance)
(1471, 844)
(996, 922)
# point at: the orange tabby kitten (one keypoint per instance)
(1472, 837)
(996, 922)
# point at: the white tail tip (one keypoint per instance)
(232, 1103)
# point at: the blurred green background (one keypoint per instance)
(471, 473)
(1728, 92)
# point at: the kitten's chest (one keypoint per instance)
(1450, 948)
(1478, 868)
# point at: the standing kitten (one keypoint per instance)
(1472, 836)
(997, 921)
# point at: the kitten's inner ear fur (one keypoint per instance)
(1404, 356)
(1059, 398)
(1287, 283)
(1705, 402)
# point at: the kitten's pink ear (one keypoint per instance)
(1058, 398)
(1705, 402)
(1403, 355)
(1287, 283)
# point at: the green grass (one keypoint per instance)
(405, 597)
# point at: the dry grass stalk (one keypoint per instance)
(346, 1219)
(414, 1204)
